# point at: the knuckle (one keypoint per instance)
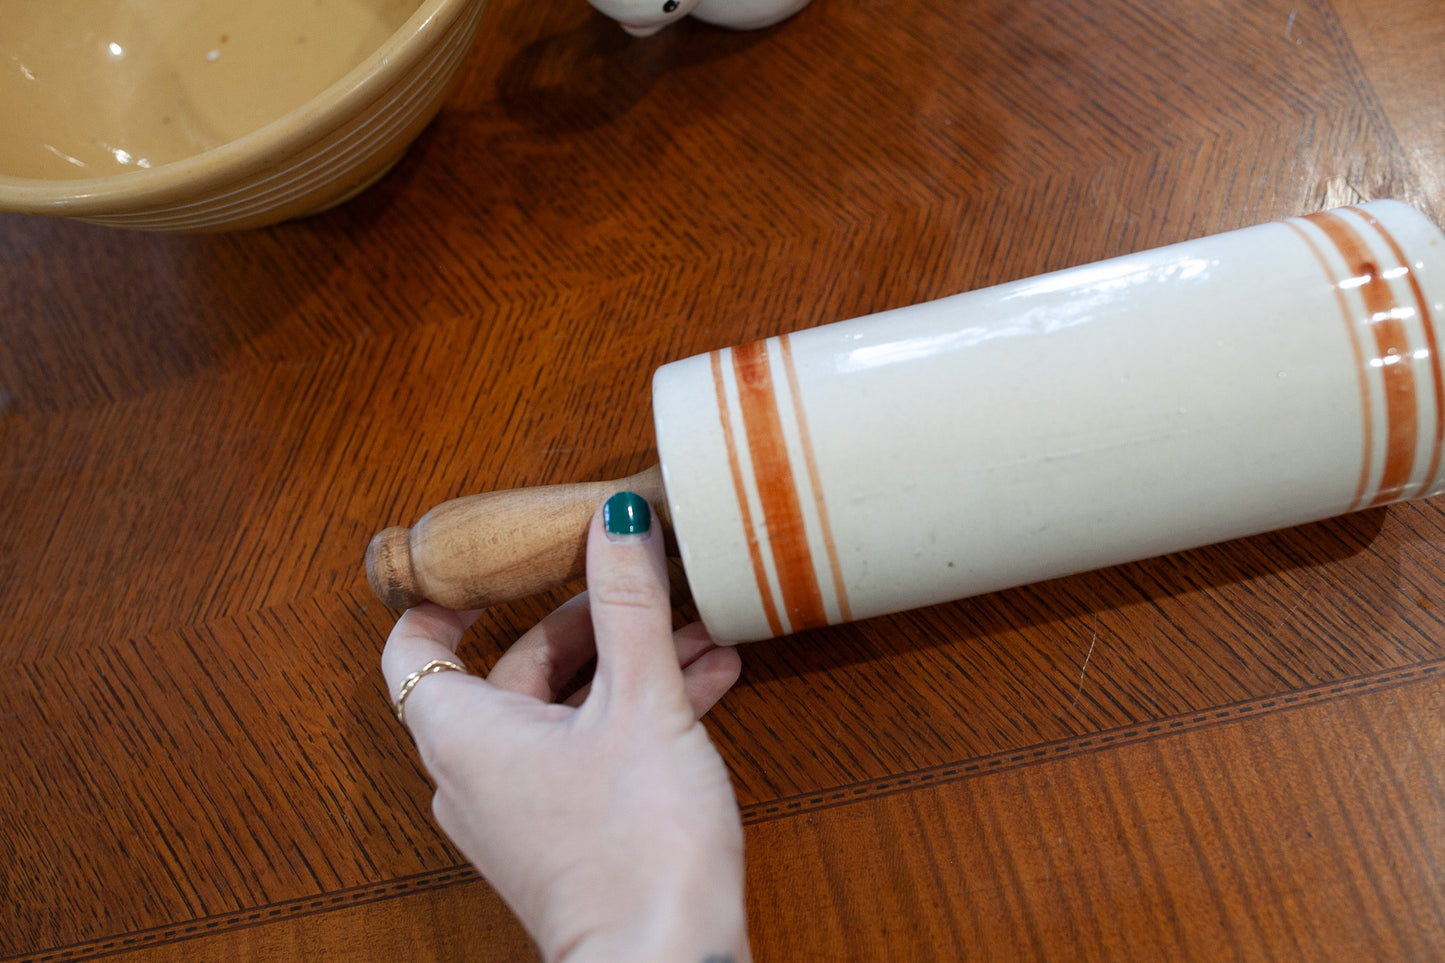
(437, 748)
(435, 758)
(630, 592)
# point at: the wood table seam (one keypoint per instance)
(863, 791)
(258, 916)
(1081, 745)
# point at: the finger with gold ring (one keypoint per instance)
(409, 683)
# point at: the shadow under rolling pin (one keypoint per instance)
(1147, 404)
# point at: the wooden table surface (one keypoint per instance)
(1231, 753)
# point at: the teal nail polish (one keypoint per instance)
(626, 513)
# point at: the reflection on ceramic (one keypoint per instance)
(642, 18)
(173, 115)
(1204, 391)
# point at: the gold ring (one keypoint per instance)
(409, 683)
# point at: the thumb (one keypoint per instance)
(631, 607)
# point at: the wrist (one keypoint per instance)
(664, 941)
(699, 920)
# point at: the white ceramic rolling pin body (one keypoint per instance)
(1200, 392)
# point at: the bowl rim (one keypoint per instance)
(250, 153)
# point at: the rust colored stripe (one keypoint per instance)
(1401, 414)
(815, 480)
(777, 489)
(1360, 372)
(1428, 323)
(770, 609)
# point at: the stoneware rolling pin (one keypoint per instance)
(1147, 404)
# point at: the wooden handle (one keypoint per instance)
(479, 550)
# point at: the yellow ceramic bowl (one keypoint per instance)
(173, 115)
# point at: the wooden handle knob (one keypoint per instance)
(483, 549)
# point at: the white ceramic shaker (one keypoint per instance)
(1200, 392)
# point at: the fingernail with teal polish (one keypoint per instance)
(626, 513)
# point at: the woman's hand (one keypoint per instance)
(608, 823)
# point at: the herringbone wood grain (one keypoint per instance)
(1228, 753)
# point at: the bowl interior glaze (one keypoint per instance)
(93, 88)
